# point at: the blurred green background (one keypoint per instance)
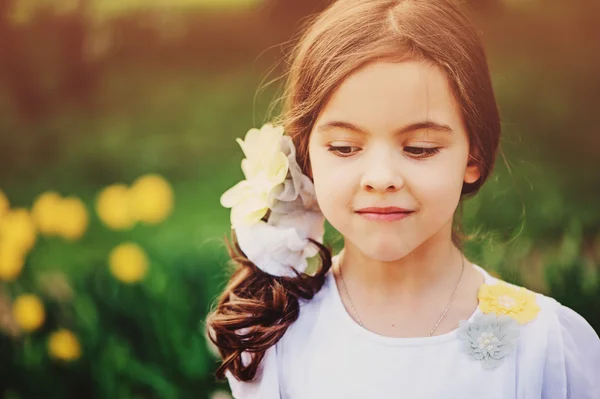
(117, 128)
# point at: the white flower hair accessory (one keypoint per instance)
(274, 183)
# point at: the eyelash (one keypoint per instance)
(426, 151)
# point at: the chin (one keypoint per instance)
(386, 250)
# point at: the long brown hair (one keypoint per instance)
(255, 309)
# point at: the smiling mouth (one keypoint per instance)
(385, 216)
(383, 209)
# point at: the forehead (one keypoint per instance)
(387, 95)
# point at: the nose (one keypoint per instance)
(381, 172)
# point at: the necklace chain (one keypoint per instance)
(439, 320)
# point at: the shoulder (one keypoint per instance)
(312, 314)
(554, 339)
(529, 307)
(572, 352)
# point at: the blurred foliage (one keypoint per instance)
(117, 139)
(23, 11)
(126, 323)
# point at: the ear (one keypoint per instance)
(473, 170)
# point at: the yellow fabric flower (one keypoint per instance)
(128, 262)
(63, 345)
(152, 199)
(28, 311)
(114, 207)
(264, 167)
(502, 298)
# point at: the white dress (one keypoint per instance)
(325, 354)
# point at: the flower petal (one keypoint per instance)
(503, 298)
(236, 194)
(275, 250)
(277, 169)
(250, 211)
(251, 168)
(489, 338)
(271, 136)
(251, 142)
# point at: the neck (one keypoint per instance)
(433, 267)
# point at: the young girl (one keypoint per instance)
(389, 122)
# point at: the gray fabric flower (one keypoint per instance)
(489, 338)
(297, 193)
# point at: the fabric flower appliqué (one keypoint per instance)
(265, 167)
(275, 187)
(489, 338)
(506, 299)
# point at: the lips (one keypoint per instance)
(389, 213)
(384, 210)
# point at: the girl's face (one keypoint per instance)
(391, 135)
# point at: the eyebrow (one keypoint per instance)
(423, 125)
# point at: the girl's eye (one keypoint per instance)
(422, 152)
(415, 152)
(342, 151)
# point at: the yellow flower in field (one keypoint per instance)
(264, 167)
(18, 229)
(74, 217)
(54, 215)
(152, 199)
(128, 262)
(502, 298)
(114, 207)
(46, 212)
(12, 260)
(28, 311)
(63, 345)
(4, 204)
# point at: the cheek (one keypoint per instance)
(439, 187)
(332, 186)
(330, 190)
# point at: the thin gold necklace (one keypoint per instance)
(436, 324)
